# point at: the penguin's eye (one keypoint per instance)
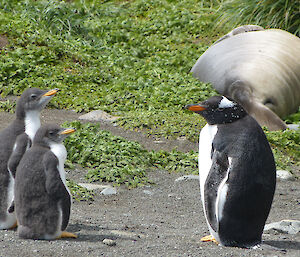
(51, 133)
(33, 96)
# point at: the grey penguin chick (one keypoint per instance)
(14, 140)
(237, 173)
(42, 199)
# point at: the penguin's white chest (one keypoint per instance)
(207, 135)
(32, 123)
(61, 153)
(205, 162)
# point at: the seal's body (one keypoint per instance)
(260, 69)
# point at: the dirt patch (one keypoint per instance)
(3, 41)
(164, 219)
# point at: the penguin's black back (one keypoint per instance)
(251, 180)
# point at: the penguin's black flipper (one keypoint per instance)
(22, 143)
(11, 208)
(218, 171)
(56, 188)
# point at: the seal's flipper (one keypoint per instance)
(243, 94)
(265, 117)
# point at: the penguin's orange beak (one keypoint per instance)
(51, 92)
(195, 107)
(67, 131)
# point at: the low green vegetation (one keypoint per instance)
(286, 148)
(166, 123)
(7, 106)
(80, 193)
(114, 159)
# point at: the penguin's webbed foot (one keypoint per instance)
(209, 238)
(66, 234)
(14, 225)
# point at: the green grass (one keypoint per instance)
(284, 14)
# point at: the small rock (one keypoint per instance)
(284, 226)
(147, 192)
(131, 235)
(109, 242)
(293, 126)
(159, 142)
(90, 186)
(284, 175)
(98, 115)
(109, 191)
(187, 177)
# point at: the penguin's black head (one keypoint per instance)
(33, 99)
(51, 134)
(218, 110)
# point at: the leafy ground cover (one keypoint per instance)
(129, 58)
(114, 159)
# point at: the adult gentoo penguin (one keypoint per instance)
(237, 173)
(259, 69)
(15, 139)
(42, 199)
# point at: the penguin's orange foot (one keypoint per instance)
(209, 238)
(66, 234)
(14, 225)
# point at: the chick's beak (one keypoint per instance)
(67, 131)
(51, 92)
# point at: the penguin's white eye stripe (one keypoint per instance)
(225, 103)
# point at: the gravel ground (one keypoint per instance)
(163, 219)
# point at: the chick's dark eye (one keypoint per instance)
(51, 133)
(33, 96)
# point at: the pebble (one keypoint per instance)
(159, 142)
(187, 177)
(291, 227)
(293, 126)
(284, 175)
(98, 115)
(90, 186)
(109, 191)
(126, 234)
(109, 242)
(147, 192)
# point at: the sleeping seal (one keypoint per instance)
(258, 68)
